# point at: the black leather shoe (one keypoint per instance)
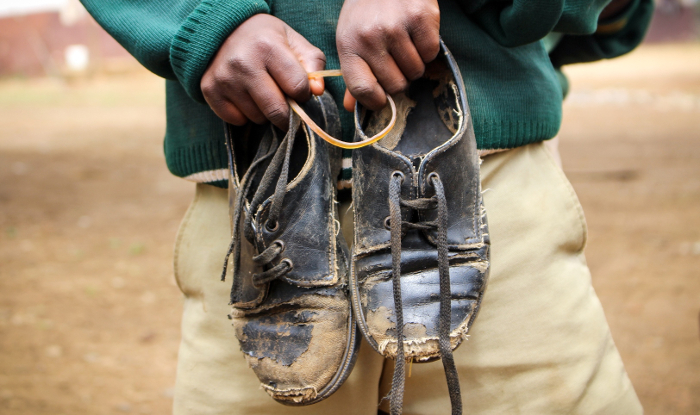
(291, 307)
(421, 248)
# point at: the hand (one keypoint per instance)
(261, 61)
(383, 45)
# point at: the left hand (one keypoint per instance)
(382, 45)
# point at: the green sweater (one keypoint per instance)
(514, 92)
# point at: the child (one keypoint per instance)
(541, 344)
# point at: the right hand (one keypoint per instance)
(259, 63)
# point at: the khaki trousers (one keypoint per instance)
(540, 345)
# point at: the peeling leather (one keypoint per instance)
(381, 318)
(438, 138)
(281, 337)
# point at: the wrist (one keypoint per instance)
(202, 34)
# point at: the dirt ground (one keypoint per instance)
(89, 310)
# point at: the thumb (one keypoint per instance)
(310, 57)
(349, 102)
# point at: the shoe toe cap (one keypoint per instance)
(420, 293)
(298, 350)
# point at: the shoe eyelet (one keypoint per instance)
(432, 176)
(272, 228)
(280, 244)
(288, 262)
(387, 223)
(399, 174)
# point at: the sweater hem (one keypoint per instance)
(206, 162)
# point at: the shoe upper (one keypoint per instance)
(433, 138)
(306, 225)
(291, 308)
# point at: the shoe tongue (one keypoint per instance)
(300, 154)
(249, 142)
(417, 160)
(297, 161)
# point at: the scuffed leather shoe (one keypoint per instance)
(291, 308)
(421, 249)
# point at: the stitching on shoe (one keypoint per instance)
(332, 240)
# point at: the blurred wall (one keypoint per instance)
(38, 44)
(675, 21)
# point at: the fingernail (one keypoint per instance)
(317, 84)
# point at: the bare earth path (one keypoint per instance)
(89, 310)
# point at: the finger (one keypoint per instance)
(317, 86)
(361, 82)
(229, 113)
(271, 101)
(407, 58)
(426, 38)
(245, 103)
(387, 72)
(221, 92)
(310, 57)
(222, 107)
(286, 70)
(349, 102)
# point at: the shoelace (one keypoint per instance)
(396, 225)
(297, 115)
(278, 169)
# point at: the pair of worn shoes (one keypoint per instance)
(420, 258)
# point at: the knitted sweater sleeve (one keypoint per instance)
(614, 37)
(174, 39)
(519, 22)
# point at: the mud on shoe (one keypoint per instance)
(420, 259)
(291, 309)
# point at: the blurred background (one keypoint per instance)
(90, 311)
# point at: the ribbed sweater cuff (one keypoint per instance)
(202, 34)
